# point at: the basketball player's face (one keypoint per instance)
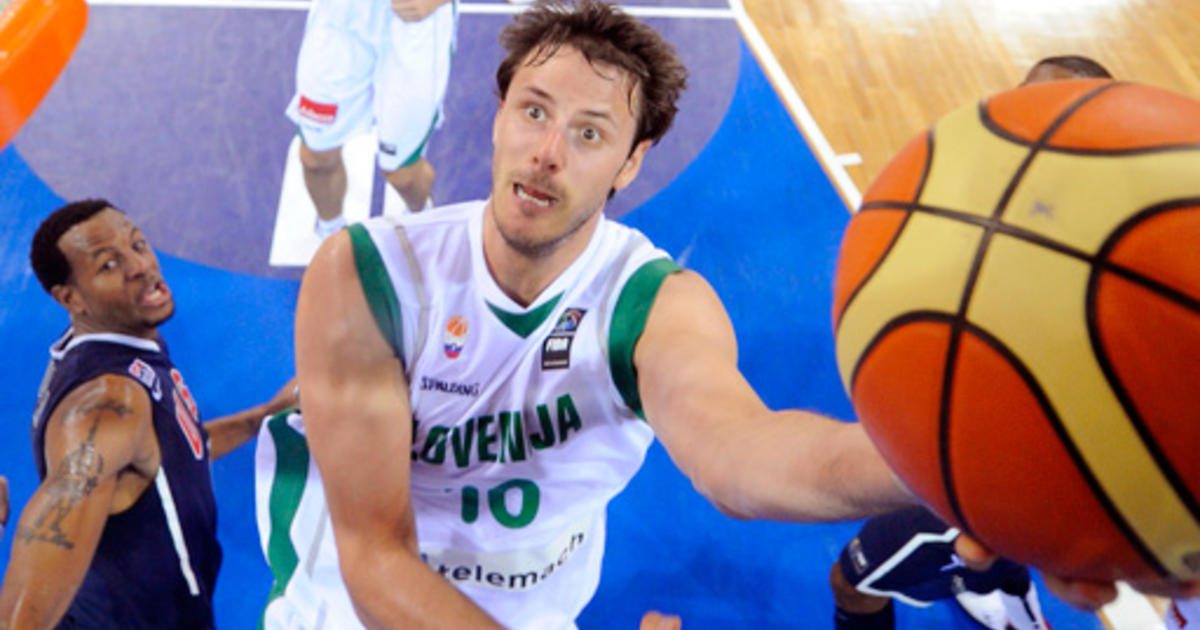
(115, 283)
(562, 140)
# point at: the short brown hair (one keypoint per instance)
(1078, 65)
(604, 34)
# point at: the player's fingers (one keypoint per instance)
(1172, 590)
(973, 554)
(1081, 594)
(654, 620)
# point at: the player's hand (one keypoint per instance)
(415, 10)
(654, 620)
(1082, 594)
(3, 501)
(974, 555)
(288, 397)
(1171, 590)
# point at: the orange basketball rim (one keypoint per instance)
(37, 38)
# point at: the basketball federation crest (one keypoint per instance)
(454, 337)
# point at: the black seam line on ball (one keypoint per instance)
(1085, 471)
(895, 237)
(1048, 411)
(994, 127)
(1173, 477)
(1098, 261)
(959, 321)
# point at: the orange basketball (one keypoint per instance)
(1017, 317)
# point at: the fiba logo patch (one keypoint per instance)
(556, 349)
(454, 337)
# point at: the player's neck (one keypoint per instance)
(83, 326)
(523, 277)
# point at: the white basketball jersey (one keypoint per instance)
(525, 418)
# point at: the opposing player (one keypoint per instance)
(1065, 67)
(479, 382)
(909, 555)
(364, 64)
(121, 533)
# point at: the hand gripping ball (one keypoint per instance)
(1017, 316)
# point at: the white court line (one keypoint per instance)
(849, 159)
(474, 8)
(808, 125)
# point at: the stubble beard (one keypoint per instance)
(537, 249)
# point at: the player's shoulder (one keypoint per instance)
(108, 399)
(449, 214)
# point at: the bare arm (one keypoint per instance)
(95, 435)
(229, 432)
(3, 503)
(749, 461)
(359, 426)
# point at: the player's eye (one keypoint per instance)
(590, 134)
(534, 112)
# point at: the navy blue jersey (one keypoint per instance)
(909, 555)
(156, 564)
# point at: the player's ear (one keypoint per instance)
(632, 165)
(68, 297)
(496, 120)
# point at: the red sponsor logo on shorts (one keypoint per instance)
(323, 113)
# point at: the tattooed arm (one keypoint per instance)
(101, 454)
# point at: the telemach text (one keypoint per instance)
(511, 581)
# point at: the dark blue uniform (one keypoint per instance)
(909, 555)
(156, 564)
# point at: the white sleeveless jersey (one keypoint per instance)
(525, 418)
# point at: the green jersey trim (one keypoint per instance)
(524, 323)
(377, 286)
(287, 488)
(628, 322)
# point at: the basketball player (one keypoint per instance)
(121, 533)
(909, 555)
(1065, 67)
(479, 382)
(364, 64)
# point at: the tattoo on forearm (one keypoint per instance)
(75, 478)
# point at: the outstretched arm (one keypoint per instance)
(229, 432)
(97, 433)
(749, 461)
(359, 426)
